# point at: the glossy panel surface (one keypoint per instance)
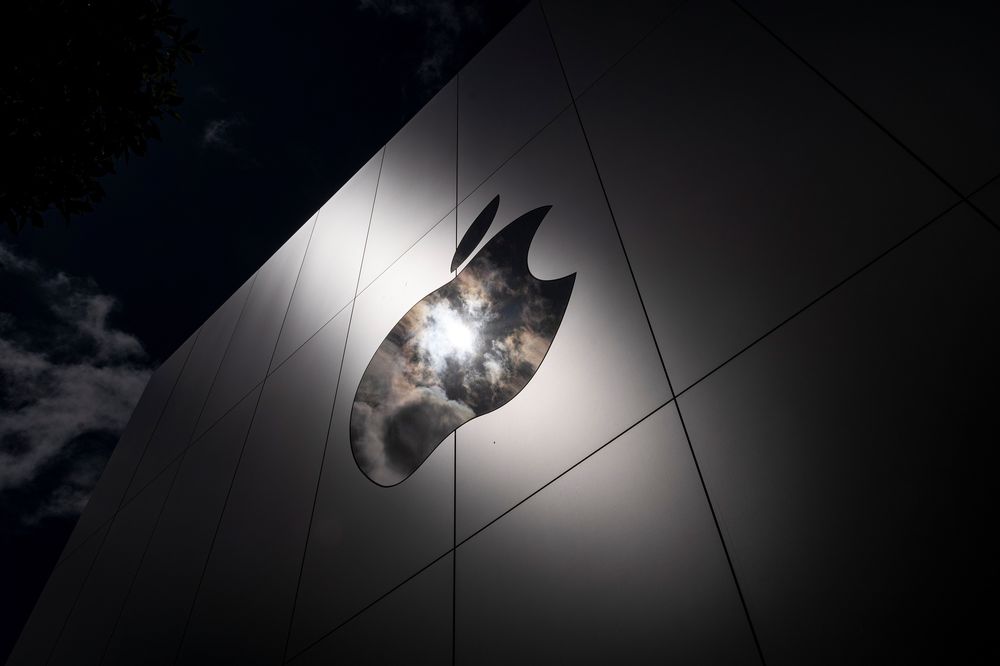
(618, 561)
(592, 35)
(601, 373)
(244, 606)
(988, 201)
(96, 612)
(417, 185)
(851, 459)
(410, 626)
(927, 71)
(751, 187)
(329, 272)
(108, 492)
(366, 539)
(55, 603)
(176, 427)
(249, 354)
(157, 607)
(507, 93)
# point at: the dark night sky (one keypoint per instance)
(287, 102)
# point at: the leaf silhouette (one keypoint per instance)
(475, 233)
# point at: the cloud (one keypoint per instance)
(218, 133)
(68, 379)
(462, 351)
(442, 22)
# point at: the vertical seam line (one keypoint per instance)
(708, 499)
(329, 425)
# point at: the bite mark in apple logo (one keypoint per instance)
(462, 351)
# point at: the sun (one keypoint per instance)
(447, 334)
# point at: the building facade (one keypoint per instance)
(661, 334)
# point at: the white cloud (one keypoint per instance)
(218, 133)
(71, 377)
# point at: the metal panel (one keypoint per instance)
(153, 617)
(507, 93)
(600, 374)
(988, 200)
(743, 186)
(55, 603)
(330, 269)
(851, 459)
(366, 539)
(243, 610)
(96, 612)
(416, 187)
(593, 35)
(618, 561)
(176, 426)
(927, 71)
(410, 626)
(108, 492)
(249, 354)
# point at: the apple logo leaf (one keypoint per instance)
(462, 351)
(475, 233)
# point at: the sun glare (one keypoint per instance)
(448, 334)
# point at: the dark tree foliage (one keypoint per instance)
(83, 83)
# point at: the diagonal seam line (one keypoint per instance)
(982, 187)
(138, 568)
(306, 341)
(363, 610)
(121, 503)
(329, 425)
(178, 459)
(815, 300)
(215, 534)
(865, 113)
(239, 460)
(291, 295)
(184, 451)
(607, 201)
(218, 370)
(635, 283)
(483, 528)
(564, 472)
(671, 13)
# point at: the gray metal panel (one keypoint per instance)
(330, 269)
(366, 539)
(600, 374)
(592, 35)
(108, 492)
(243, 610)
(988, 200)
(743, 186)
(176, 426)
(618, 561)
(249, 354)
(416, 187)
(95, 614)
(54, 604)
(851, 458)
(507, 93)
(158, 605)
(927, 71)
(410, 626)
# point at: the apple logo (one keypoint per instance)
(464, 350)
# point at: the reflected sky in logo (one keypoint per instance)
(462, 351)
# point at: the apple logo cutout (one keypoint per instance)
(462, 351)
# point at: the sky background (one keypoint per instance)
(288, 100)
